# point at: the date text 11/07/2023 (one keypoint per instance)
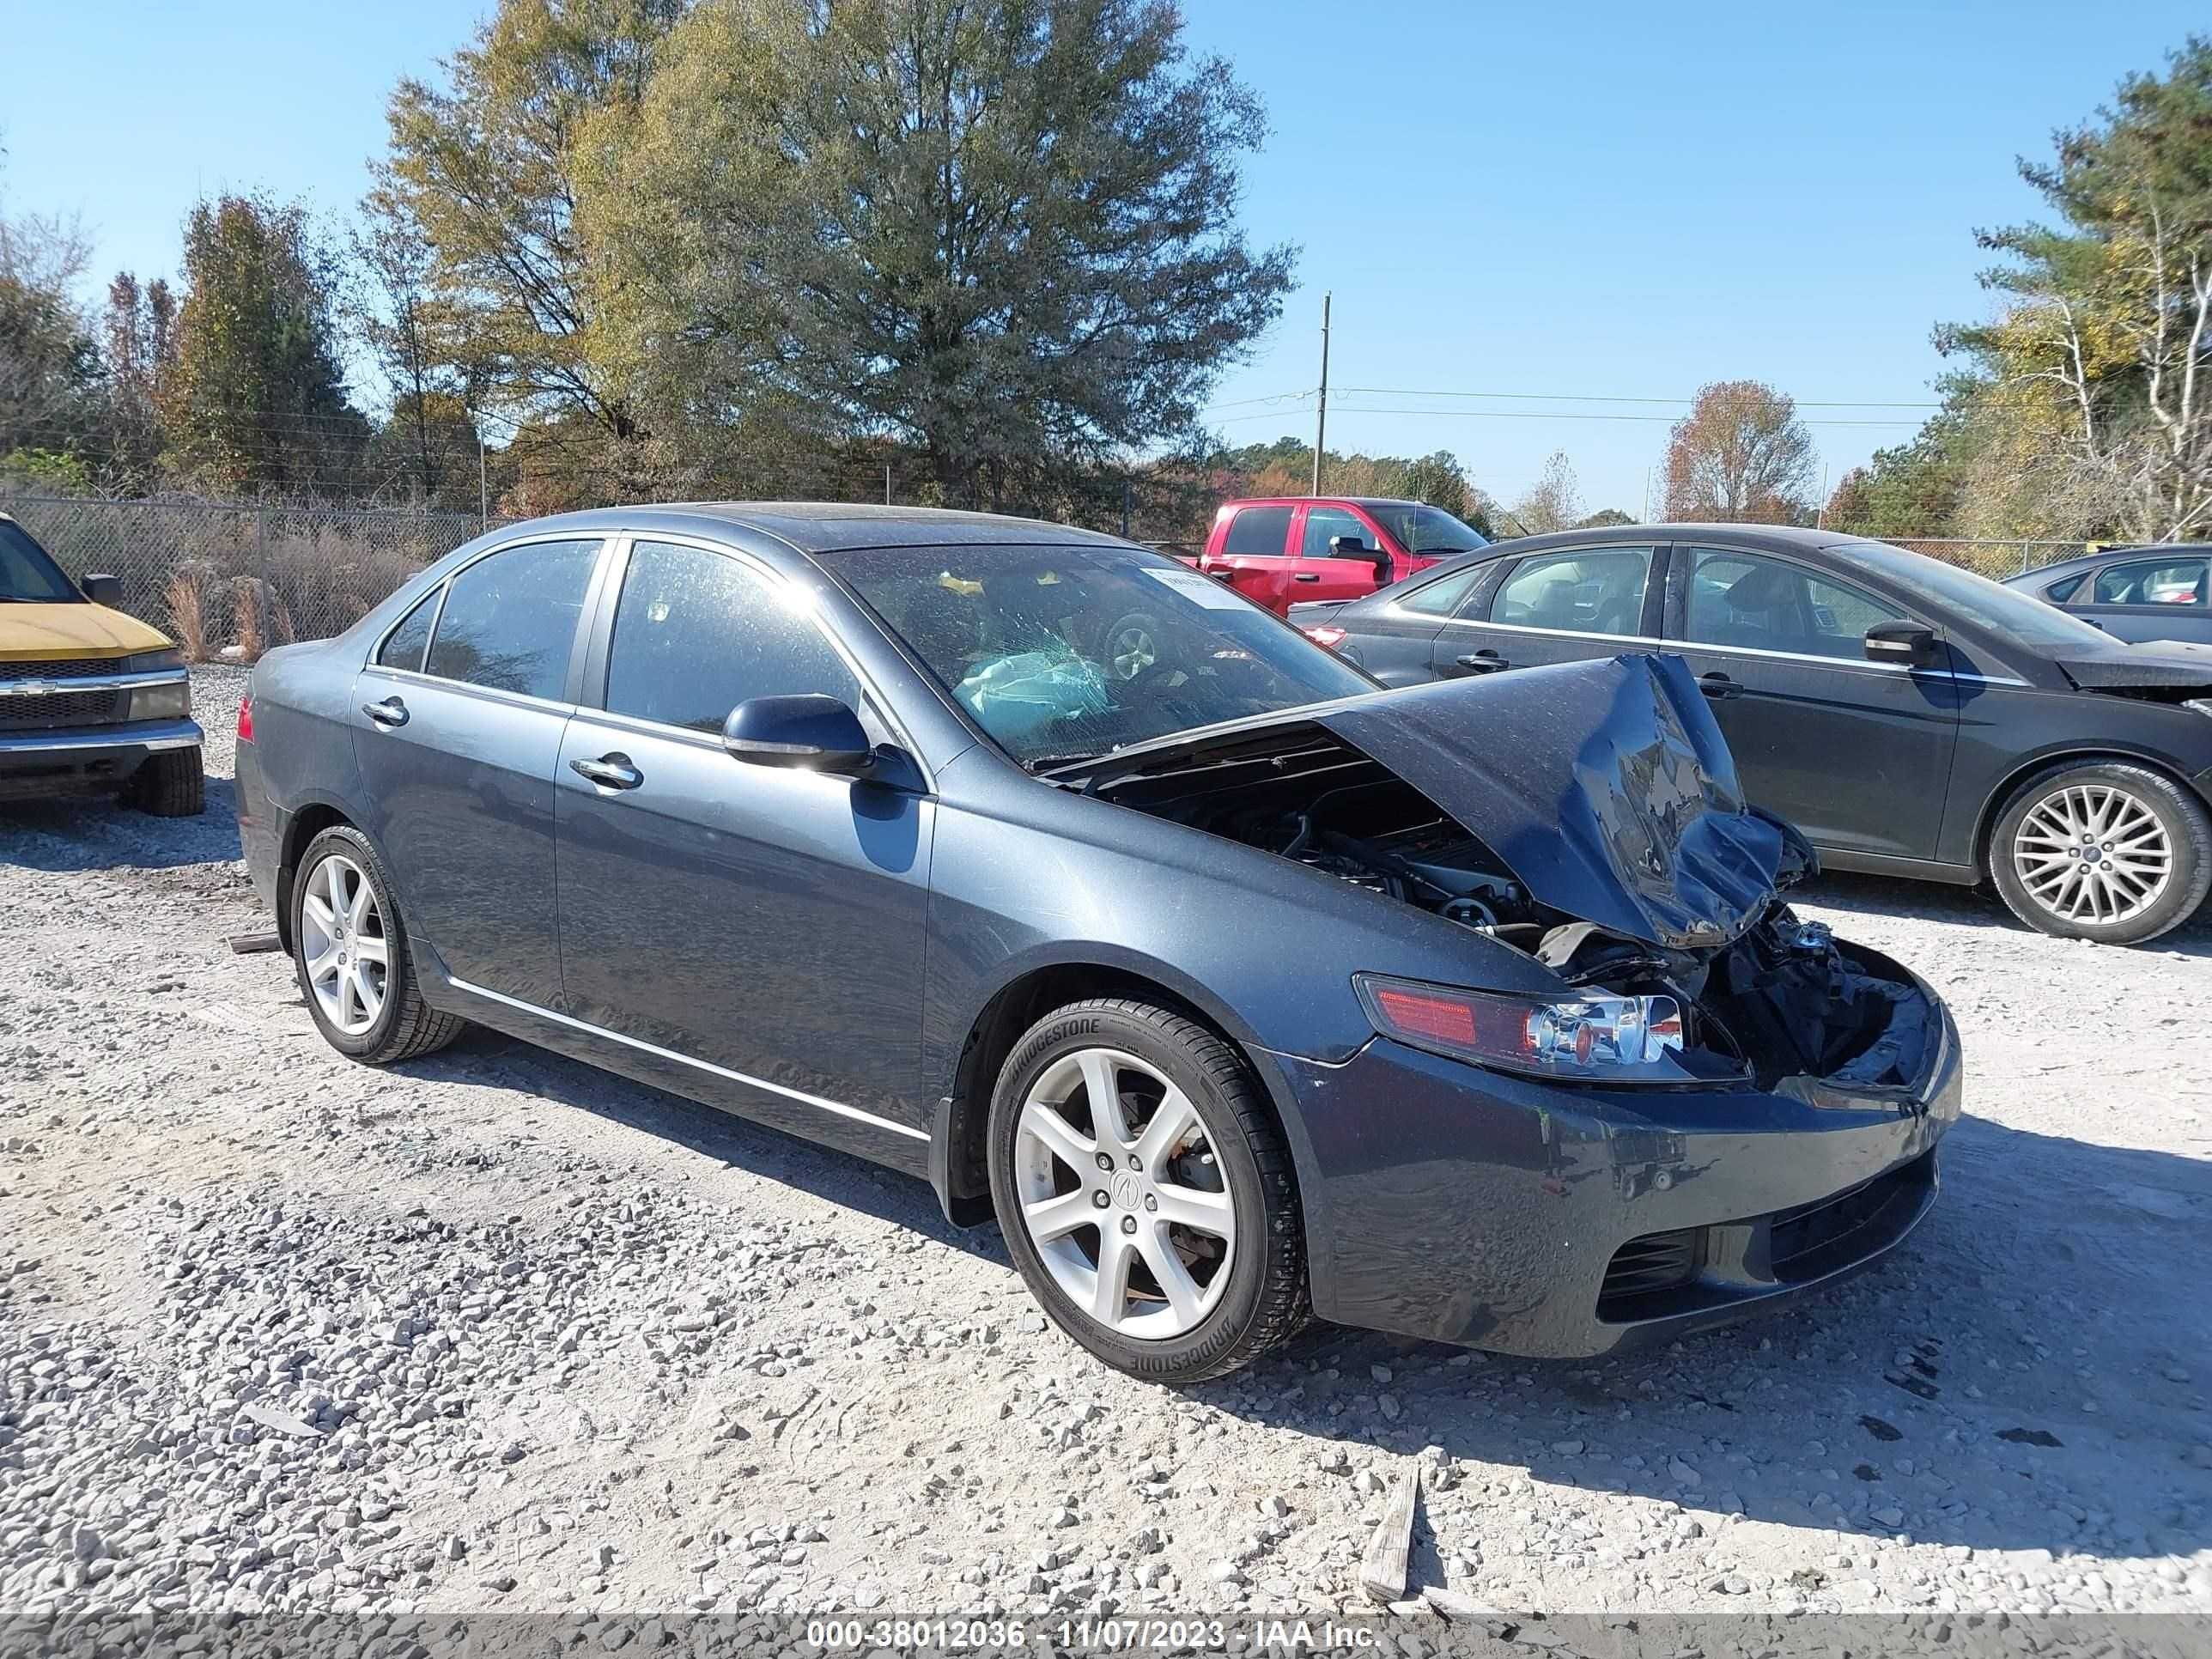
(1162, 1635)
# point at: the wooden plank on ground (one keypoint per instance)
(1382, 1572)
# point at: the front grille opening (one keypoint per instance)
(1648, 1266)
(1817, 1238)
(57, 708)
(61, 668)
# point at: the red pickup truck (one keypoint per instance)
(1285, 551)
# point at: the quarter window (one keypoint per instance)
(1442, 597)
(403, 646)
(2059, 592)
(2151, 581)
(510, 620)
(1590, 590)
(1324, 524)
(1259, 532)
(697, 633)
(1751, 603)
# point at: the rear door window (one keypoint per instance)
(1258, 532)
(1442, 597)
(1587, 590)
(404, 645)
(510, 620)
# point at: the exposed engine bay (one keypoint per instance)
(1783, 999)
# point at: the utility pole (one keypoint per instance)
(1321, 412)
(483, 483)
(887, 483)
(1820, 511)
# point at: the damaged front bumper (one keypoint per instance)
(1461, 1204)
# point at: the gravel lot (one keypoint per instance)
(278, 1331)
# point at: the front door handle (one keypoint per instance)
(1718, 685)
(1485, 662)
(609, 771)
(389, 713)
(1305, 577)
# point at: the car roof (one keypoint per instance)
(831, 526)
(1318, 501)
(1782, 537)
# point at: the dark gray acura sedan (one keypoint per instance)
(1234, 987)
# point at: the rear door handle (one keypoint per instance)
(390, 711)
(1485, 662)
(609, 771)
(1717, 685)
(1305, 577)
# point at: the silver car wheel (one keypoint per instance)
(2092, 852)
(342, 942)
(1121, 1194)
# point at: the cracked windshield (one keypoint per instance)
(1062, 654)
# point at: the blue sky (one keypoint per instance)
(1608, 200)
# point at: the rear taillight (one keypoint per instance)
(246, 720)
(1331, 637)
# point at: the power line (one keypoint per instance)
(1543, 415)
(1610, 397)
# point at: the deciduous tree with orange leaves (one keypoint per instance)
(1740, 456)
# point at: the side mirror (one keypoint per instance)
(102, 589)
(815, 733)
(1905, 642)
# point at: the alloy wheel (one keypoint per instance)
(1131, 650)
(2090, 853)
(342, 942)
(1123, 1195)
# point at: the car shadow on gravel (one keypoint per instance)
(2026, 1372)
(487, 1057)
(102, 834)
(2002, 1381)
(1965, 907)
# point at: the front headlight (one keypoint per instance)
(164, 700)
(1594, 1037)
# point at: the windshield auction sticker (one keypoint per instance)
(1202, 590)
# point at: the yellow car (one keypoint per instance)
(91, 701)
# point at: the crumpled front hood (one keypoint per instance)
(2170, 665)
(1605, 786)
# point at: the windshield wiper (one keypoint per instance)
(1050, 762)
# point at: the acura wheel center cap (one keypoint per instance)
(1127, 1191)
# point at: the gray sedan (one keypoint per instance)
(2139, 593)
(1234, 990)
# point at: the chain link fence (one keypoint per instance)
(1997, 559)
(229, 580)
(226, 579)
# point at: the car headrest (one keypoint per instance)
(1763, 588)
